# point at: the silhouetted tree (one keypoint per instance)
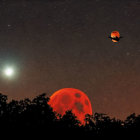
(38, 117)
(69, 120)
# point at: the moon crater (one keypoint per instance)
(79, 107)
(77, 95)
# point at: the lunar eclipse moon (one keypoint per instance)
(115, 36)
(71, 99)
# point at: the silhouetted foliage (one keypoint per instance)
(69, 120)
(37, 117)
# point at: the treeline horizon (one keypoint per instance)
(35, 115)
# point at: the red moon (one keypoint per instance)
(71, 99)
(115, 34)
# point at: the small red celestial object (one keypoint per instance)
(115, 36)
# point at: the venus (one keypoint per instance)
(9, 71)
(71, 99)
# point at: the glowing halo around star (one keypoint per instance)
(9, 71)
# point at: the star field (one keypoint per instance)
(55, 44)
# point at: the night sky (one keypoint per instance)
(54, 44)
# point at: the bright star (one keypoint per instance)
(9, 72)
